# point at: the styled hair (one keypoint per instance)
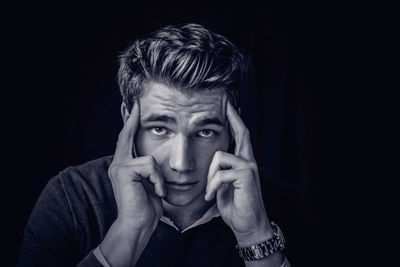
(186, 57)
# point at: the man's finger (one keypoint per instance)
(223, 177)
(223, 161)
(139, 172)
(156, 179)
(127, 134)
(240, 133)
(148, 168)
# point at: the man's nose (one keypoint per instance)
(181, 158)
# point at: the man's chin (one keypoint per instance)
(180, 199)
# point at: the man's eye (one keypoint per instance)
(159, 131)
(206, 133)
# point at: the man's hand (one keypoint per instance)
(137, 182)
(138, 187)
(235, 181)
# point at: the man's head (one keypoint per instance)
(187, 57)
(183, 78)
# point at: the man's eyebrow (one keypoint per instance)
(206, 121)
(159, 118)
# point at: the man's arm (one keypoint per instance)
(138, 187)
(233, 179)
(51, 235)
(269, 262)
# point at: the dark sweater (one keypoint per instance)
(76, 209)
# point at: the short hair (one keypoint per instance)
(186, 57)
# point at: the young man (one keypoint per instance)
(183, 187)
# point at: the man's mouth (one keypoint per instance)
(180, 186)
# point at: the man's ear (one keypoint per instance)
(124, 112)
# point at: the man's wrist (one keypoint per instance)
(268, 250)
(130, 225)
(277, 259)
(255, 236)
(124, 243)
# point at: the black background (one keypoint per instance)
(61, 102)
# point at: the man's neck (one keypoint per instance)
(184, 216)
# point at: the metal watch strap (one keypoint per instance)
(265, 248)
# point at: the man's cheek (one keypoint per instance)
(146, 145)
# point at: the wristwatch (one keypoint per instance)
(265, 248)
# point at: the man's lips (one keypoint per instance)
(180, 186)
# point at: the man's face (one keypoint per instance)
(182, 132)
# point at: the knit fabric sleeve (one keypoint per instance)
(51, 234)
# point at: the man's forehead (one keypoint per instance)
(159, 98)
